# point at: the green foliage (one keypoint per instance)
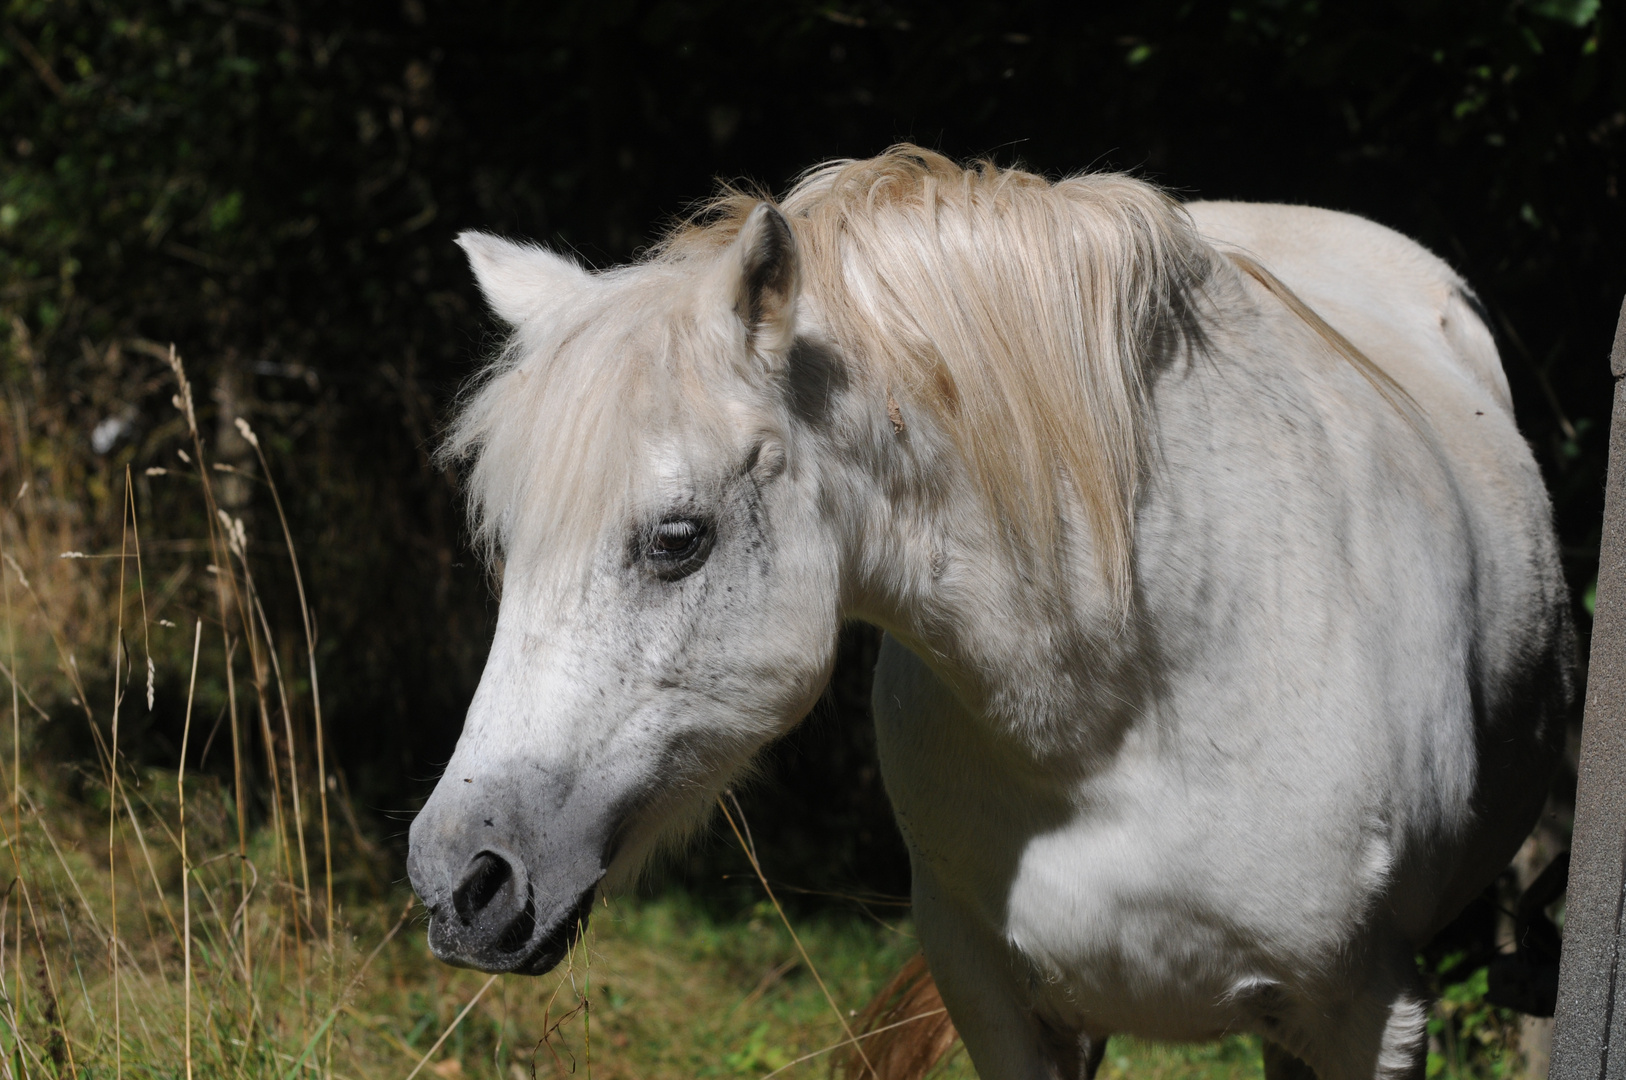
(756, 1056)
(1474, 1037)
(1578, 13)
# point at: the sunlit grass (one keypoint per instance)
(672, 989)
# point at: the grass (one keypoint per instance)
(188, 926)
(674, 991)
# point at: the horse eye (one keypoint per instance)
(675, 539)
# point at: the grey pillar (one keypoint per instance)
(1589, 1039)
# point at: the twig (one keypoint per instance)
(1542, 380)
(750, 853)
(41, 66)
(855, 1041)
(310, 1043)
(186, 862)
(473, 1001)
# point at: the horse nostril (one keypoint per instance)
(487, 875)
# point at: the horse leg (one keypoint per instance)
(1093, 1056)
(1403, 1052)
(972, 969)
(1075, 1055)
(1381, 1035)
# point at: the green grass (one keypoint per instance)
(673, 990)
(678, 994)
(671, 987)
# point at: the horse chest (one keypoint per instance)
(1100, 918)
(1142, 897)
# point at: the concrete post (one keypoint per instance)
(1589, 1039)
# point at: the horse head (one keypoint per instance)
(669, 583)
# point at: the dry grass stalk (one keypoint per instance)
(444, 1035)
(227, 601)
(16, 997)
(186, 861)
(906, 1028)
(138, 970)
(751, 854)
(238, 901)
(112, 801)
(310, 656)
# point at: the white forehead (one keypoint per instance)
(617, 401)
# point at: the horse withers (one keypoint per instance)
(1227, 652)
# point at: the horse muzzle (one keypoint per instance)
(501, 897)
(490, 920)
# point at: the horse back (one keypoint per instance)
(1385, 292)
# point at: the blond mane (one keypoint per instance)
(1018, 311)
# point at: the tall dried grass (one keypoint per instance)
(187, 921)
(254, 922)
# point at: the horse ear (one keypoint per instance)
(769, 275)
(520, 280)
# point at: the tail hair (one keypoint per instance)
(904, 1031)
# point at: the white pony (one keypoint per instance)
(1227, 651)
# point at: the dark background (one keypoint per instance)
(274, 187)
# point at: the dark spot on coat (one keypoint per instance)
(814, 375)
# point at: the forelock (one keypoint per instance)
(555, 435)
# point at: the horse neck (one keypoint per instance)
(1026, 649)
